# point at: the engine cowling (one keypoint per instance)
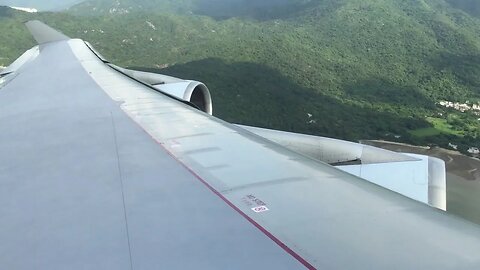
(419, 177)
(194, 92)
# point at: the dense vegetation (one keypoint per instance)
(219, 9)
(346, 68)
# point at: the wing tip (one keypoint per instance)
(43, 33)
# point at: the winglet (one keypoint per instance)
(43, 33)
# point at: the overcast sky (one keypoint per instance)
(39, 4)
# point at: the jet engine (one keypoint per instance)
(419, 177)
(194, 92)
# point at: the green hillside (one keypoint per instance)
(219, 9)
(361, 69)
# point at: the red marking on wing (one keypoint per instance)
(220, 195)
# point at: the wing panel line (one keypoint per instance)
(277, 241)
(120, 177)
(85, 56)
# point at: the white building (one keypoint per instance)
(474, 150)
(454, 146)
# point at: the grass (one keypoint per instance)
(425, 132)
(440, 126)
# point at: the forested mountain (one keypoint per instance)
(219, 9)
(344, 68)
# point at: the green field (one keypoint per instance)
(426, 132)
(440, 126)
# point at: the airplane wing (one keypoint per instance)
(101, 171)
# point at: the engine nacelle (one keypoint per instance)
(194, 92)
(419, 177)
